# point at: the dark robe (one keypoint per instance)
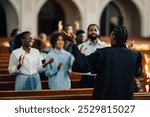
(115, 67)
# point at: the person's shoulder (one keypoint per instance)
(50, 53)
(136, 53)
(84, 44)
(104, 49)
(66, 53)
(17, 50)
(35, 50)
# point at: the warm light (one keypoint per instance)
(143, 47)
(146, 66)
(147, 88)
(47, 44)
(5, 44)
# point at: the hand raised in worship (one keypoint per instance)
(48, 61)
(76, 25)
(60, 26)
(70, 37)
(131, 44)
(60, 65)
(21, 61)
(82, 49)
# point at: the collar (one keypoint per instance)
(58, 52)
(24, 52)
(98, 42)
(123, 45)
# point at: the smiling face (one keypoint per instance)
(59, 43)
(28, 40)
(93, 32)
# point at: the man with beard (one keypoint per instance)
(93, 43)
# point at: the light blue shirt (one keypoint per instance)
(59, 79)
(91, 48)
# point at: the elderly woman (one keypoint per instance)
(58, 71)
(25, 63)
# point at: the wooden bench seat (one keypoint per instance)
(4, 71)
(69, 94)
(9, 85)
(4, 76)
(84, 93)
(3, 66)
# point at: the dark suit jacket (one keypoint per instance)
(115, 67)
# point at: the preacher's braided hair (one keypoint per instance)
(121, 35)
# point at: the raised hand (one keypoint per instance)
(131, 45)
(76, 25)
(21, 61)
(82, 49)
(60, 65)
(70, 37)
(60, 26)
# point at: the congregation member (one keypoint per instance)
(25, 63)
(88, 47)
(59, 70)
(12, 45)
(80, 36)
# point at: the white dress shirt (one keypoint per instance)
(32, 63)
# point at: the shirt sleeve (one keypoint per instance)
(51, 69)
(138, 65)
(13, 62)
(84, 63)
(40, 66)
(71, 60)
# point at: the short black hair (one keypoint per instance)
(93, 25)
(54, 37)
(79, 32)
(18, 38)
(14, 32)
(121, 34)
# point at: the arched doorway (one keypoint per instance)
(49, 16)
(3, 29)
(111, 18)
(9, 17)
(121, 12)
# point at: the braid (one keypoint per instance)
(121, 35)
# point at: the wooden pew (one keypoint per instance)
(7, 77)
(4, 55)
(9, 85)
(4, 71)
(4, 62)
(4, 66)
(141, 96)
(70, 94)
(7, 82)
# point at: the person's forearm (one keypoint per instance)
(19, 66)
(75, 50)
